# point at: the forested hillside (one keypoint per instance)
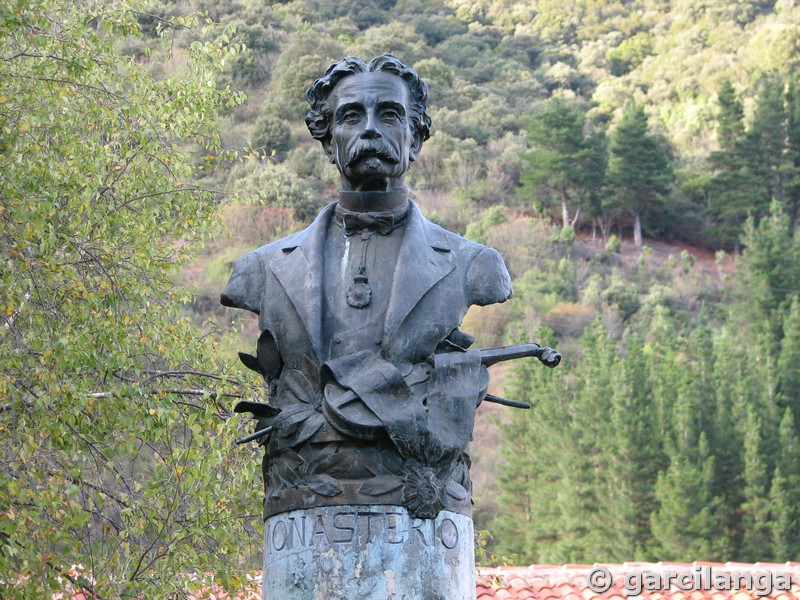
(559, 128)
(609, 150)
(682, 117)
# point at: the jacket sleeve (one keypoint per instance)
(246, 285)
(488, 281)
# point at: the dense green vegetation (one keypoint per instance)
(672, 430)
(702, 95)
(559, 128)
(115, 437)
(667, 432)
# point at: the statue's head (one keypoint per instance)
(371, 120)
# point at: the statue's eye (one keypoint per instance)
(351, 117)
(391, 115)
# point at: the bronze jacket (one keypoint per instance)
(438, 276)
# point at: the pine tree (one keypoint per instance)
(634, 457)
(685, 526)
(590, 446)
(522, 468)
(757, 530)
(792, 197)
(551, 510)
(788, 367)
(785, 494)
(734, 184)
(732, 395)
(565, 161)
(769, 277)
(753, 167)
(765, 144)
(730, 118)
(687, 520)
(639, 169)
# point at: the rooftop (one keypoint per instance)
(630, 580)
(642, 581)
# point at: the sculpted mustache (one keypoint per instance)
(380, 150)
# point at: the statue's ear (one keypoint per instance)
(416, 146)
(327, 145)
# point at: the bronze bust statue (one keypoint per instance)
(372, 385)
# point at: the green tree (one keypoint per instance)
(756, 541)
(639, 169)
(565, 162)
(769, 279)
(733, 185)
(785, 493)
(519, 525)
(684, 526)
(269, 184)
(584, 529)
(272, 135)
(629, 54)
(788, 374)
(730, 118)
(560, 484)
(755, 166)
(793, 150)
(765, 147)
(634, 456)
(491, 217)
(115, 447)
(253, 65)
(303, 58)
(684, 521)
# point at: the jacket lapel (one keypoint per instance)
(300, 272)
(423, 260)
(421, 264)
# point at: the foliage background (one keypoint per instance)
(637, 163)
(115, 451)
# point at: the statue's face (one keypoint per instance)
(371, 141)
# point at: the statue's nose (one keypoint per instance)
(370, 127)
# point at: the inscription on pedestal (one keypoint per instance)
(375, 552)
(348, 526)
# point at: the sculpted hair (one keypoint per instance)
(318, 118)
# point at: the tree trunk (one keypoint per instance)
(637, 231)
(575, 217)
(606, 223)
(564, 213)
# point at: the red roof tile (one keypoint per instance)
(629, 581)
(658, 581)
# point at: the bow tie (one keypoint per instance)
(382, 222)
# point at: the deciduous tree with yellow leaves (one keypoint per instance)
(115, 448)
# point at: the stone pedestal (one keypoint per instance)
(368, 553)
